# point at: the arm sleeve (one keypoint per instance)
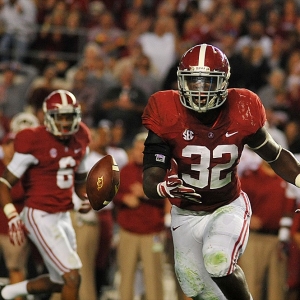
(157, 153)
(20, 163)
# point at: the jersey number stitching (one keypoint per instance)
(64, 177)
(209, 176)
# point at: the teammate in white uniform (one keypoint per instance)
(50, 160)
(195, 140)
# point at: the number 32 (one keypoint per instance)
(205, 172)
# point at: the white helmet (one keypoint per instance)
(23, 120)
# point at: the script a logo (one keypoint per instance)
(188, 135)
(100, 183)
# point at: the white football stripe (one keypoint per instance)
(202, 54)
(63, 97)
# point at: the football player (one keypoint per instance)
(51, 160)
(195, 140)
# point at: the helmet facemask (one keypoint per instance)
(202, 91)
(63, 121)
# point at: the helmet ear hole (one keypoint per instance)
(202, 77)
(58, 103)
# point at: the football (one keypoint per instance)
(103, 182)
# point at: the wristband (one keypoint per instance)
(286, 222)
(9, 209)
(3, 180)
(284, 234)
(297, 181)
(167, 220)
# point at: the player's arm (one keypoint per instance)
(80, 185)
(16, 228)
(160, 178)
(282, 161)
(157, 157)
(7, 181)
(15, 169)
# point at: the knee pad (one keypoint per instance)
(217, 263)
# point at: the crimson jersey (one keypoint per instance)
(207, 157)
(49, 178)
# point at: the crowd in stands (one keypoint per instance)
(88, 46)
(114, 54)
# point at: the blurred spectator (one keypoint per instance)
(273, 24)
(292, 133)
(256, 37)
(141, 222)
(86, 95)
(272, 207)
(95, 9)
(293, 279)
(60, 38)
(273, 128)
(92, 53)
(160, 45)
(290, 14)
(99, 77)
(49, 41)
(14, 88)
(4, 125)
(124, 103)
(259, 69)
(170, 81)
(133, 51)
(73, 38)
(239, 61)
(196, 29)
(254, 11)
(293, 83)
(107, 35)
(276, 82)
(19, 20)
(278, 57)
(41, 87)
(143, 77)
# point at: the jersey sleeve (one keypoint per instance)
(85, 134)
(162, 112)
(151, 118)
(246, 110)
(24, 141)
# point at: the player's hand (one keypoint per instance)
(16, 230)
(85, 206)
(173, 186)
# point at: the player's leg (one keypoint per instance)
(224, 240)
(70, 289)
(55, 239)
(234, 286)
(187, 230)
(39, 285)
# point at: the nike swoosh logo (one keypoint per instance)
(227, 134)
(174, 228)
(77, 150)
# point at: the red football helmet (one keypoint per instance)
(62, 113)
(202, 76)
